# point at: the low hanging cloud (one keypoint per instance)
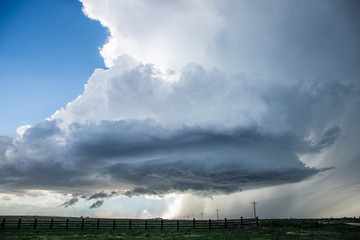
(163, 162)
(97, 204)
(102, 195)
(132, 132)
(70, 202)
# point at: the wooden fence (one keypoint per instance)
(124, 224)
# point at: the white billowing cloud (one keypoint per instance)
(208, 98)
(204, 97)
(156, 32)
(277, 39)
(20, 130)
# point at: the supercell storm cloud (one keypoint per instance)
(204, 98)
(198, 134)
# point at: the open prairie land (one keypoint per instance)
(269, 229)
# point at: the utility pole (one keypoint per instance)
(254, 203)
(217, 214)
(202, 216)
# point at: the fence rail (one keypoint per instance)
(124, 224)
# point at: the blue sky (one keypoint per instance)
(152, 108)
(48, 51)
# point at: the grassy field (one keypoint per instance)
(269, 229)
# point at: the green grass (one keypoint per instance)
(269, 229)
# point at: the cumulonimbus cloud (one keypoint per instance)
(139, 134)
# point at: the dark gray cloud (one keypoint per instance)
(70, 202)
(215, 162)
(102, 195)
(5, 144)
(42, 132)
(327, 139)
(76, 197)
(140, 191)
(97, 204)
(165, 161)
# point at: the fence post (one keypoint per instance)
(51, 223)
(257, 221)
(145, 224)
(129, 224)
(242, 222)
(67, 224)
(225, 223)
(3, 224)
(209, 223)
(193, 223)
(98, 224)
(177, 225)
(162, 224)
(35, 222)
(114, 224)
(82, 223)
(19, 223)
